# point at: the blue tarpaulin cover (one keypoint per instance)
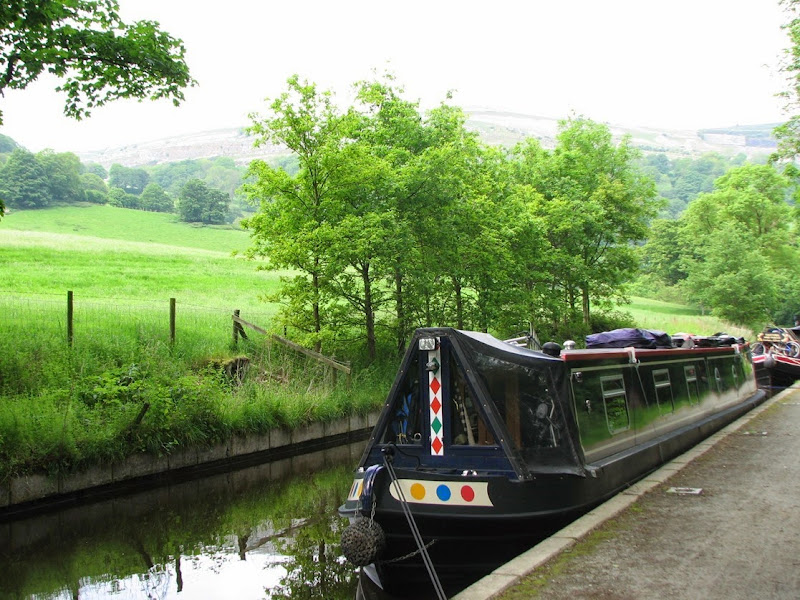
(629, 337)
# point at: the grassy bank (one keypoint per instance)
(123, 387)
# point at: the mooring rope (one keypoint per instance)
(423, 550)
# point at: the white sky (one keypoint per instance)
(682, 64)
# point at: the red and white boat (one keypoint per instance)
(776, 358)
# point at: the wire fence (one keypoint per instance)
(118, 329)
(73, 319)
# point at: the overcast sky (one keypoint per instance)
(682, 64)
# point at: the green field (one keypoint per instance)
(102, 252)
(120, 224)
(674, 318)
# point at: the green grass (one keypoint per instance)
(181, 263)
(123, 387)
(675, 318)
(121, 224)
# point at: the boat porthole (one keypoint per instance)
(418, 491)
(443, 492)
(467, 493)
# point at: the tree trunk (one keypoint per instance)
(585, 297)
(400, 311)
(459, 304)
(315, 306)
(369, 315)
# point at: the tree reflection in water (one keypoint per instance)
(316, 568)
(265, 532)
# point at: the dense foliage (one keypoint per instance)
(31, 181)
(680, 180)
(199, 203)
(788, 134)
(85, 43)
(734, 250)
(397, 219)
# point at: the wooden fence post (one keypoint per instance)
(235, 328)
(69, 318)
(172, 321)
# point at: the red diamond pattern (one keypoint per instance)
(437, 445)
(436, 406)
(435, 385)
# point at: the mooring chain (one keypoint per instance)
(409, 555)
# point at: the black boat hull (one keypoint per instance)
(484, 448)
(466, 545)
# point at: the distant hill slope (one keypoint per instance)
(494, 127)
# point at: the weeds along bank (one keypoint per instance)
(123, 388)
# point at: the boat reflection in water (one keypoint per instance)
(485, 447)
(263, 532)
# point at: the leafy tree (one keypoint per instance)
(221, 173)
(595, 204)
(95, 189)
(755, 198)
(173, 176)
(291, 227)
(378, 189)
(747, 208)
(663, 253)
(97, 169)
(734, 281)
(85, 43)
(63, 172)
(122, 199)
(199, 203)
(132, 180)
(788, 134)
(23, 181)
(155, 199)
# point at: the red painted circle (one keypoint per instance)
(467, 493)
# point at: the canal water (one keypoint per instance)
(265, 532)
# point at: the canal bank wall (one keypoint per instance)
(30, 493)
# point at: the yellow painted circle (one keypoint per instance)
(418, 491)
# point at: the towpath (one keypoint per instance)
(731, 529)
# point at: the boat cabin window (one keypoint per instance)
(663, 388)
(523, 399)
(466, 423)
(728, 373)
(615, 403)
(692, 384)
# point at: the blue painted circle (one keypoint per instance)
(443, 492)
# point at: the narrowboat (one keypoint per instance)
(776, 358)
(484, 447)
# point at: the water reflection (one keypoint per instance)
(263, 532)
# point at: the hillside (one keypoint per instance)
(494, 128)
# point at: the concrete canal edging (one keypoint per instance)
(508, 575)
(28, 492)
